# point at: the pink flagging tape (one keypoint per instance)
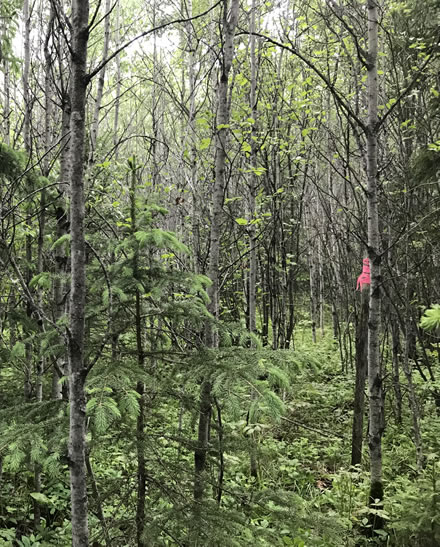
(364, 278)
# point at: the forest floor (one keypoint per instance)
(306, 494)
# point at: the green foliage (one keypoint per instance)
(290, 411)
(160, 239)
(414, 508)
(13, 165)
(431, 319)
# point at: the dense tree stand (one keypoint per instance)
(219, 264)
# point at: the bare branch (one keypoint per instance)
(103, 63)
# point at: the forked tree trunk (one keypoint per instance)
(77, 368)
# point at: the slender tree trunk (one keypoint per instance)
(312, 276)
(252, 282)
(40, 268)
(361, 374)
(140, 388)
(100, 86)
(27, 146)
(26, 69)
(61, 212)
(195, 214)
(265, 301)
(374, 253)
(222, 122)
(407, 367)
(98, 500)
(321, 288)
(6, 106)
(156, 110)
(118, 83)
(415, 414)
(77, 367)
(396, 350)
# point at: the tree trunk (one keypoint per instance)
(100, 86)
(252, 282)
(61, 212)
(374, 253)
(6, 106)
(395, 341)
(140, 388)
(222, 122)
(77, 368)
(361, 373)
(191, 140)
(118, 83)
(407, 369)
(26, 68)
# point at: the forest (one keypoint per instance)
(219, 273)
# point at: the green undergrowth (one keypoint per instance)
(291, 409)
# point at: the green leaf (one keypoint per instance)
(19, 350)
(100, 419)
(277, 377)
(431, 319)
(246, 147)
(91, 405)
(204, 143)
(241, 221)
(63, 239)
(41, 280)
(41, 498)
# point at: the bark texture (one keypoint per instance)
(361, 373)
(140, 387)
(374, 254)
(223, 110)
(252, 283)
(100, 87)
(77, 368)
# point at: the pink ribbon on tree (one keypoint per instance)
(364, 278)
